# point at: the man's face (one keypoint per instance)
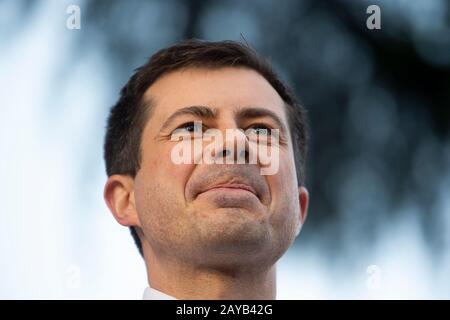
(215, 214)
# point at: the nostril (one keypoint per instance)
(242, 157)
(245, 155)
(226, 153)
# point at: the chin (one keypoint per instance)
(239, 253)
(232, 214)
(241, 233)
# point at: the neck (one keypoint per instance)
(188, 281)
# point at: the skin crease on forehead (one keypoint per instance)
(196, 231)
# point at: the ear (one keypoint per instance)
(119, 197)
(304, 202)
(303, 198)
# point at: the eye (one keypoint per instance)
(189, 127)
(259, 129)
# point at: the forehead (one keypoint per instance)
(225, 89)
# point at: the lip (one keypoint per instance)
(231, 186)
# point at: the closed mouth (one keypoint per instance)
(232, 186)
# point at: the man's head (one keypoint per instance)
(214, 215)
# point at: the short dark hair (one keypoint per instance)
(127, 118)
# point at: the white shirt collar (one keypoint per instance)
(153, 294)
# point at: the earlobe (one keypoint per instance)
(119, 197)
(303, 199)
(304, 202)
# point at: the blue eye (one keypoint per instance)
(190, 127)
(260, 129)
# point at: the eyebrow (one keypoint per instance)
(243, 113)
(199, 111)
(255, 112)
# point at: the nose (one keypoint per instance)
(235, 147)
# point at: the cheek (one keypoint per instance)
(161, 175)
(159, 194)
(283, 183)
(284, 192)
(160, 164)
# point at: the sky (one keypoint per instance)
(57, 237)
